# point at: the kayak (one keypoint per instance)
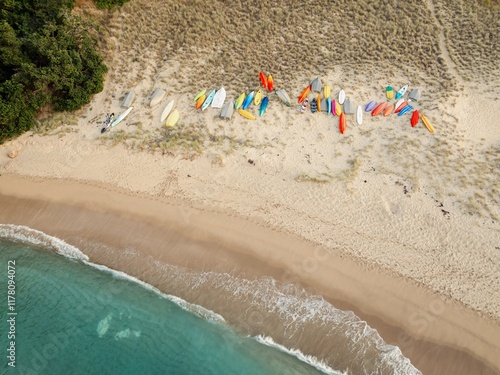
(401, 91)
(304, 94)
(200, 101)
(342, 123)
(284, 97)
(270, 83)
(263, 80)
(258, 97)
(378, 109)
(414, 118)
(263, 105)
(326, 91)
(388, 110)
(246, 114)
(248, 100)
(338, 109)
(408, 108)
(239, 101)
(369, 107)
(328, 105)
(427, 124)
(319, 102)
(359, 115)
(202, 92)
(208, 100)
(389, 92)
(172, 118)
(401, 106)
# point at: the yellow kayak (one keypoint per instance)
(428, 124)
(239, 101)
(338, 109)
(258, 98)
(172, 118)
(246, 114)
(326, 91)
(319, 102)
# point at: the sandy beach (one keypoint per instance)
(399, 225)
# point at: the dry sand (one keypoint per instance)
(417, 213)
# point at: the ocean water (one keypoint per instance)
(77, 318)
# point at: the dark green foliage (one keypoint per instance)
(47, 60)
(109, 3)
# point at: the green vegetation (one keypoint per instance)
(109, 3)
(47, 62)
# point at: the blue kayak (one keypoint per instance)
(263, 105)
(248, 100)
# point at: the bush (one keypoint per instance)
(47, 59)
(108, 4)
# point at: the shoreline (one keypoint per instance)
(432, 332)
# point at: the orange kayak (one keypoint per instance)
(270, 83)
(342, 123)
(319, 102)
(200, 101)
(263, 79)
(401, 106)
(388, 110)
(414, 118)
(304, 94)
(378, 109)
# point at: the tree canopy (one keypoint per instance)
(47, 60)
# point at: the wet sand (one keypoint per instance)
(438, 336)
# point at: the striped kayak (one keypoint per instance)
(408, 108)
(314, 105)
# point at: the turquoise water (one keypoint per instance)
(74, 318)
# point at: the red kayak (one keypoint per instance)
(342, 123)
(404, 104)
(414, 118)
(304, 94)
(378, 109)
(263, 79)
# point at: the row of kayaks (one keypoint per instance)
(324, 102)
(168, 117)
(242, 104)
